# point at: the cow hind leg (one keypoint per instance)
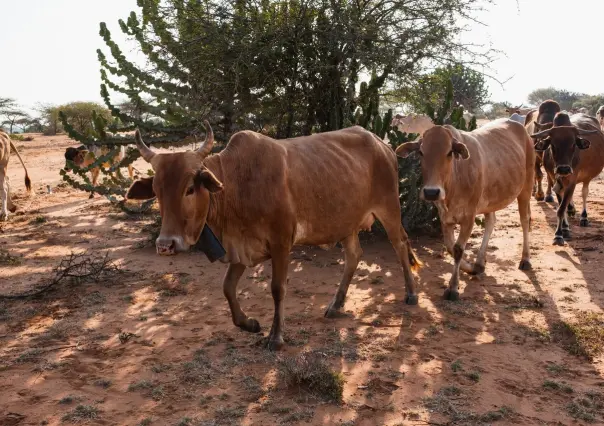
(229, 286)
(280, 262)
(584, 193)
(131, 171)
(481, 258)
(452, 293)
(391, 220)
(524, 208)
(4, 195)
(352, 255)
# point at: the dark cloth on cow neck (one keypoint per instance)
(210, 245)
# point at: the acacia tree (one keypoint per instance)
(565, 98)
(14, 117)
(469, 89)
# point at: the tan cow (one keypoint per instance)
(412, 123)
(82, 157)
(519, 110)
(6, 205)
(573, 152)
(471, 173)
(261, 196)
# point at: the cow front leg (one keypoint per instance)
(280, 258)
(481, 258)
(452, 293)
(548, 194)
(584, 193)
(4, 195)
(449, 238)
(352, 255)
(229, 286)
(563, 229)
(539, 196)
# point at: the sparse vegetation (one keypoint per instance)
(446, 402)
(456, 366)
(557, 386)
(199, 371)
(583, 336)
(103, 383)
(310, 371)
(81, 413)
(140, 385)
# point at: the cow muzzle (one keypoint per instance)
(564, 170)
(168, 246)
(432, 193)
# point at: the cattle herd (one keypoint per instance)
(260, 196)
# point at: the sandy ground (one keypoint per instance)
(157, 345)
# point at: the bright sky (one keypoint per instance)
(49, 47)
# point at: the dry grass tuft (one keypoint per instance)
(310, 371)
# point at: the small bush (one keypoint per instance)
(553, 385)
(81, 413)
(310, 371)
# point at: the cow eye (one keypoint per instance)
(190, 190)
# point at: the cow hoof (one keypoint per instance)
(584, 222)
(91, 196)
(566, 234)
(539, 197)
(411, 299)
(453, 296)
(525, 265)
(251, 326)
(274, 344)
(477, 269)
(558, 240)
(549, 199)
(3, 217)
(332, 312)
(571, 211)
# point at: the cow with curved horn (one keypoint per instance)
(519, 110)
(535, 121)
(261, 196)
(573, 152)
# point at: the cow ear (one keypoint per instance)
(141, 189)
(542, 144)
(406, 149)
(208, 180)
(583, 143)
(460, 150)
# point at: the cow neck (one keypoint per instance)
(214, 218)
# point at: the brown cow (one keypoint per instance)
(519, 110)
(82, 157)
(573, 152)
(535, 121)
(6, 205)
(262, 196)
(471, 173)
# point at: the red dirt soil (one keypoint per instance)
(492, 357)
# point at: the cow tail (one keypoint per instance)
(416, 264)
(27, 179)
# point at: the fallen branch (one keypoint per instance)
(84, 266)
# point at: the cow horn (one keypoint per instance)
(540, 126)
(541, 134)
(206, 148)
(581, 132)
(145, 151)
